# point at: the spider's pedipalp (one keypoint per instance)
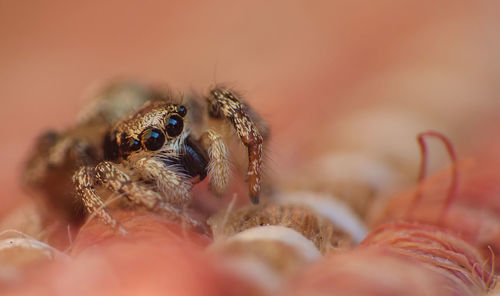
(218, 166)
(174, 186)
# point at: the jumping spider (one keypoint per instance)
(152, 155)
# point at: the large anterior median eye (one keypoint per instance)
(153, 139)
(174, 126)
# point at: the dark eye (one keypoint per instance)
(174, 126)
(182, 110)
(153, 139)
(133, 145)
(129, 144)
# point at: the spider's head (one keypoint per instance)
(155, 127)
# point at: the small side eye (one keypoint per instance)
(174, 126)
(182, 110)
(129, 144)
(133, 145)
(153, 139)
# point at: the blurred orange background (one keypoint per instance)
(302, 64)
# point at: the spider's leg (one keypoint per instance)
(108, 174)
(218, 165)
(49, 169)
(223, 103)
(85, 181)
(116, 180)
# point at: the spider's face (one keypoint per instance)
(157, 127)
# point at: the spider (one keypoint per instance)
(154, 154)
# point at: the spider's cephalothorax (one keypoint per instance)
(157, 130)
(153, 157)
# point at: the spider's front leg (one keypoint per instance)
(49, 170)
(223, 103)
(85, 181)
(108, 174)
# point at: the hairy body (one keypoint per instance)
(150, 148)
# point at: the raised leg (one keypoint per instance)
(223, 103)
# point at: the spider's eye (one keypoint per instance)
(153, 139)
(133, 145)
(182, 110)
(129, 144)
(174, 126)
